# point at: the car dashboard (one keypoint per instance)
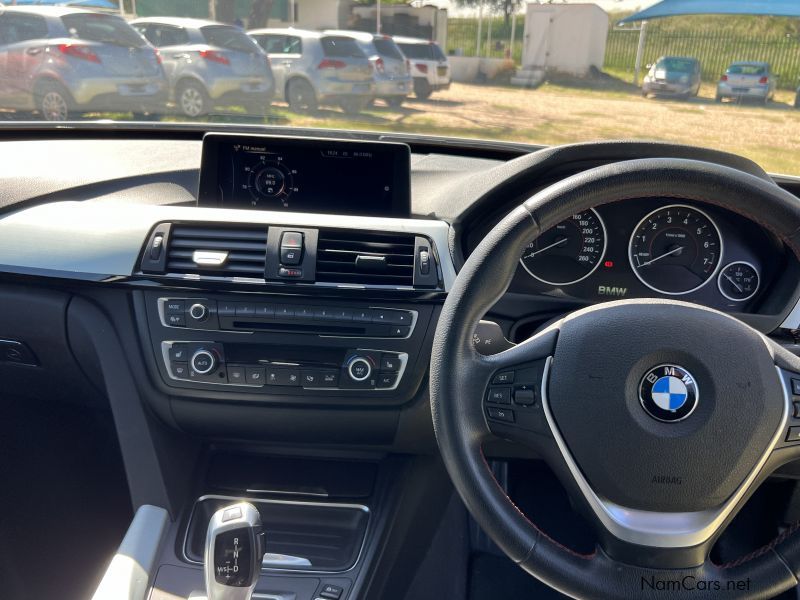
(309, 334)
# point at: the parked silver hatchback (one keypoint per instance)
(209, 63)
(313, 68)
(747, 80)
(66, 61)
(392, 76)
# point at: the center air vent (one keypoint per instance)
(215, 250)
(365, 258)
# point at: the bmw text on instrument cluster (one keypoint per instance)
(645, 249)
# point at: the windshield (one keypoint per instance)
(229, 38)
(537, 73)
(747, 70)
(387, 49)
(679, 65)
(422, 51)
(341, 47)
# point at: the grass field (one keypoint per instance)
(559, 114)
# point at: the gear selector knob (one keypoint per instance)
(233, 553)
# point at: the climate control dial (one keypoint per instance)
(204, 361)
(359, 368)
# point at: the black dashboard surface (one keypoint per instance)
(468, 192)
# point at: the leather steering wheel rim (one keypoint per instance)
(459, 378)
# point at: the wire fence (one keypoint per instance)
(715, 51)
(495, 37)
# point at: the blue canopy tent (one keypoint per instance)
(674, 8)
(105, 4)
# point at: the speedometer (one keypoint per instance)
(675, 250)
(569, 252)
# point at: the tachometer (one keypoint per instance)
(569, 252)
(675, 250)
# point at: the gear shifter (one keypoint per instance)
(233, 553)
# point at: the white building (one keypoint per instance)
(568, 38)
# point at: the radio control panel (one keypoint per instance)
(343, 321)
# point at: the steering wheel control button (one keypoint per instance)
(504, 377)
(796, 387)
(359, 368)
(524, 397)
(203, 362)
(390, 363)
(199, 312)
(500, 414)
(488, 338)
(499, 395)
(668, 393)
(793, 436)
(796, 410)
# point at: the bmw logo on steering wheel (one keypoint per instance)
(668, 393)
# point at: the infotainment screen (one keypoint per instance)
(305, 175)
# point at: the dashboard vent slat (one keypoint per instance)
(244, 248)
(365, 258)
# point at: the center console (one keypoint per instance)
(291, 341)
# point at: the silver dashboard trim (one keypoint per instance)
(659, 529)
(792, 320)
(134, 565)
(65, 239)
(360, 507)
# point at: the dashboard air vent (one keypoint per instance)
(365, 258)
(222, 251)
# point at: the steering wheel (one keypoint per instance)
(660, 417)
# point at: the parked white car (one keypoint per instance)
(429, 65)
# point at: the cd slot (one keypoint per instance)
(299, 328)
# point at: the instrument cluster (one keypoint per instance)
(649, 248)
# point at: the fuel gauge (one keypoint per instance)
(738, 281)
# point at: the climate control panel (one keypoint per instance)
(242, 365)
